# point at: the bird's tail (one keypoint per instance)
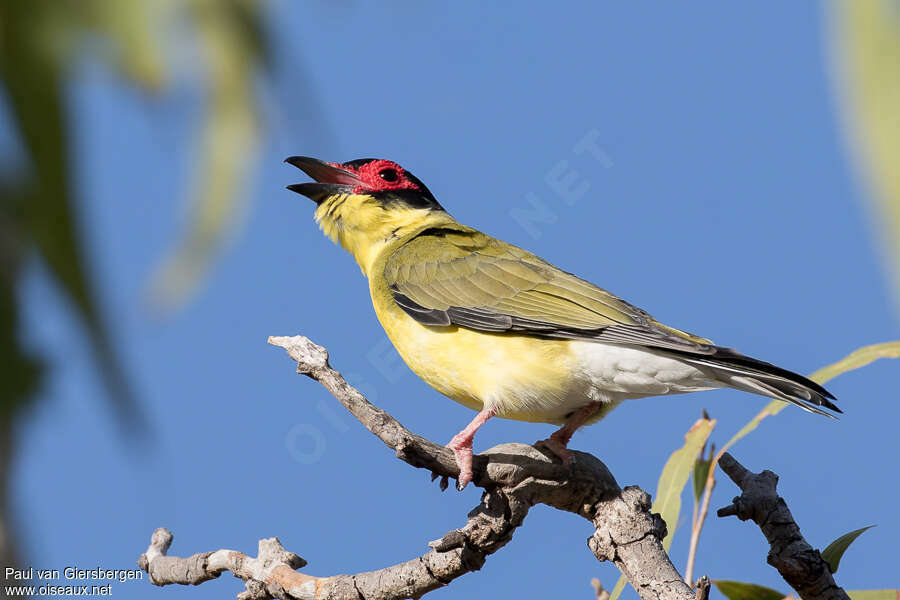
(741, 372)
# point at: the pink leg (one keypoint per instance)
(461, 444)
(559, 439)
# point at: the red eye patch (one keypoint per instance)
(379, 176)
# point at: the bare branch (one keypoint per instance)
(801, 566)
(702, 588)
(515, 477)
(312, 361)
(626, 532)
(272, 573)
(268, 575)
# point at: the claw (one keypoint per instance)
(443, 483)
(463, 453)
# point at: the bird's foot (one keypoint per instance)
(461, 444)
(462, 449)
(558, 447)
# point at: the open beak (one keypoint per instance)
(330, 179)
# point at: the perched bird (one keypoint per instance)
(505, 332)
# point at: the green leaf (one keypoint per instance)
(874, 594)
(737, 590)
(672, 480)
(675, 474)
(701, 472)
(835, 550)
(856, 359)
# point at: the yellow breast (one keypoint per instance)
(524, 378)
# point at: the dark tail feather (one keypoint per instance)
(759, 377)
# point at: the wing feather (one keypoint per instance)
(456, 276)
(484, 284)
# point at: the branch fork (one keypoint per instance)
(515, 477)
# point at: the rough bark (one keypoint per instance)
(515, 477)
(801, 565)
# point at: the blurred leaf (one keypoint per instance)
(874, 594)
(33, 78)
(228, 33)
(19, 371)
(672, 480)
(737, 590)
(835, 550)
(866, 37)
(856, 359)
(134, 28)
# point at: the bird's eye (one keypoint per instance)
(389, 175)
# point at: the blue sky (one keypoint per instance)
(725, 203)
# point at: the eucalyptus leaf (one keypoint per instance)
(874, 594)
(675, 474)
(737, 590)
(701, 471)
(856, 359)
(835, 550)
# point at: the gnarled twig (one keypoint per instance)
(801, 566)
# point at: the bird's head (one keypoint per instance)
(366, 203)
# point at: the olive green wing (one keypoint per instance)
(458, 276)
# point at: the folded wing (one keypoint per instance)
(484, 284)
(457, 276)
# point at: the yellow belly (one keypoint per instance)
(523, 377)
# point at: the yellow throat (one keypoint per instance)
(366, 228)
